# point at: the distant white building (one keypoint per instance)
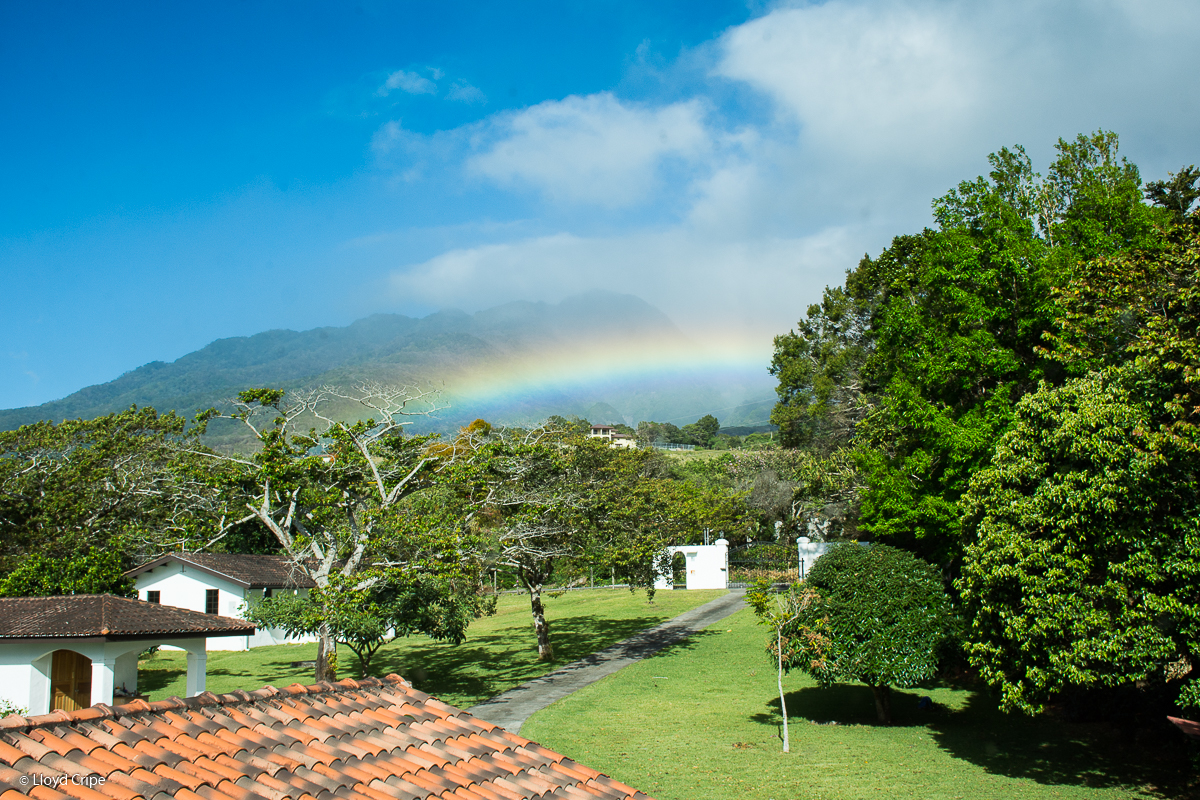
(706, 566)
(610, 434)
(223, 584)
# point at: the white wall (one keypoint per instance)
(184, 586)
(268, 636)
(706, 566)
(25, 668)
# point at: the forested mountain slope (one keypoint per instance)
(514, 363)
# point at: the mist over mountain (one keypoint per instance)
(513, 364)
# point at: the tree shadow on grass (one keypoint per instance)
(1038, 749)
(486, 665)
(1061, 753)
(845, 704)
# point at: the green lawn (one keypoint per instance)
(701, 722)
(500, 651)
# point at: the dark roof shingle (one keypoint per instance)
(91, 615)
(248, 571)
(370, 739)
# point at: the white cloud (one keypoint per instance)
(929, 84)
(409, 82)
(593, 149)
(464, 92)
(711, 285)
(857, 78)
(872, 109)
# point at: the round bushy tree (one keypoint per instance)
(880, 616)
(1084, 569)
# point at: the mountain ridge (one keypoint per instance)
(451, 349)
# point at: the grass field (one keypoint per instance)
(500, 651)
(701, 722)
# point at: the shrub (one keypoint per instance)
(879, 616)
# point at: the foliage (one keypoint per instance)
(1086, 518)
(638, 509)
(7, 709)
(69, 487)
(819, 369)
(783, 612)
(806, 493)
(343, 501)
(1176, 194)
(526, 491)
(574, 425)
(878, 615)
(716, 697)
(649, 433)
(702, 431)
(1141, 306)
(97, 572)
(1085, 568)
(366, 619)
(559, 506)
(919, 359)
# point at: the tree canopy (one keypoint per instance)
(1017, 392)
(877, 615)
(343, 502)
(917, 362)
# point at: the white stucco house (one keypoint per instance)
(223, 584)
(615, 438)
(74, 651)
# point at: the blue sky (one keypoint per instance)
(180, 173)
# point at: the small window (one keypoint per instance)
(266, 593)
(154, 597)
(210, 601)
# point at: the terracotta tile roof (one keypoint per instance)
(109, 616)
(248, 571)
(365, 740)
(1187, 726)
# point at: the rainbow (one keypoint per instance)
(657, 377)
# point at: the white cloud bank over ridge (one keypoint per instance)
(874, 108)
(686, 274)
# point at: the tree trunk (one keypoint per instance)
(326, 653)
(540, 626)
(787, 747)
(883, 703)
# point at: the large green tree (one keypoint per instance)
(639, 508)
(130, 482)
(1083, 559)
(559, 505)
(703, 431)
(528, 491)
(1083, 562)
(920, 358)
(341, 498)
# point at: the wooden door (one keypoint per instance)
(70, 681)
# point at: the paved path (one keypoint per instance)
(510, 709)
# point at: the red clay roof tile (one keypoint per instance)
(505, 789)
(354, 740)
(409, 788)
(46, 793)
